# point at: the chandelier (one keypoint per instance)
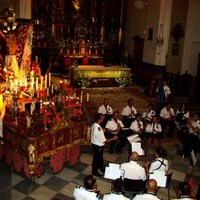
(9, 21)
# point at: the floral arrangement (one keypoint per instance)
(63, 106)
(35, 69)
(123, 81)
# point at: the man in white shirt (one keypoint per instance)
(132, 170)
(148, 114)
(116, 191)
(137, 125)
(128, 113)
(98, 140)
(114, 127)
(151, 192)
(167, 116)
(89, 191)
(105, 110)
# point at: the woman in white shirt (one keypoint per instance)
(159, 163)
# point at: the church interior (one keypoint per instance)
(59, 61)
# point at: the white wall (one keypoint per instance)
(192, 39)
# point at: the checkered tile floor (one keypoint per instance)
(15, 186)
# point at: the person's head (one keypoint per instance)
(115, 115)
(130, 102)
(150, 106)
(90, 183)
(183, 107)
(138, 117)
(117, 185)
(168, 105)
(106, 102)
(134, 156)
(154, 119)
(152, 186)
(164, 83)
(160, 152)
(98, 118)
(184, 189)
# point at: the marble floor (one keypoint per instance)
(14, 186)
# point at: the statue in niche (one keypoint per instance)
(11, 63)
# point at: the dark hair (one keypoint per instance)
(130, 100)
(89, 182)
(186, 107)
(97, 117)
(185, 188)
(161, 152)
(117, 185)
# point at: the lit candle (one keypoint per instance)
(52, 89)
(45, 81)
(49, 79)
(81, 98)
(47, 91)
(88, 97)
(36, 84)
(40, 104)
(41, 82)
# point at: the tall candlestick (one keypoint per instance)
(23, 106)
(45, 81)
(31, 111)
(36, 84)
(47, 91)
(88, 97)
(49, 79)
(41, 82)
(81, 97)
(52, 89)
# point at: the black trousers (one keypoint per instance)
(97, 159)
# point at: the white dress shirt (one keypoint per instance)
(105, 110)
(148, 114)
(167, 90)
(153, 128)
(136, 126)
(80, 193)
(166, 114)
(97, 135)
(127, 110)
(146, 196)
(113, 196)
(160, 164)
(133, 171)
(112, 125)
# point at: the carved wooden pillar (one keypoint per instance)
(102, 20)
(53, 27)
(120, 33)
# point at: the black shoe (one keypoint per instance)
(97, 174)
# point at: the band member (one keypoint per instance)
(153, 132)
(98, 141)
(128, 113)
(137, 125)
(114, 127)
(167, 115)
(148, 114)
(105, 110)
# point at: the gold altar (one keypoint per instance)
(86, 75)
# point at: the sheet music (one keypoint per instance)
(136, 146)
(133, 138)
(113, 171)
(160, 177)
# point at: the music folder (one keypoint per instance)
(136, 144)
(160, 177)
(113, 171)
